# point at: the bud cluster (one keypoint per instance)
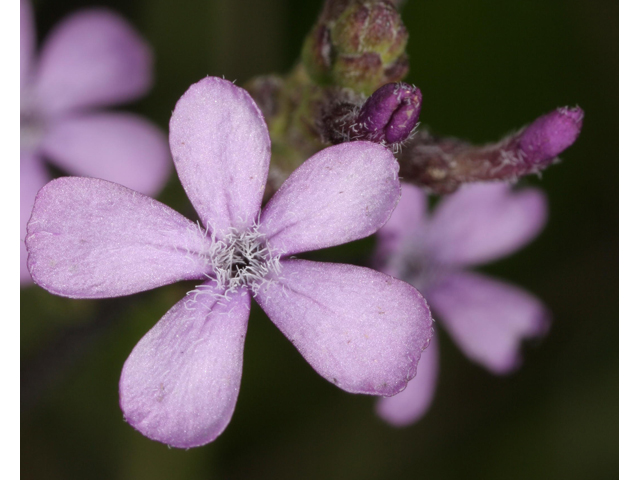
(357, 44)
(347, 88)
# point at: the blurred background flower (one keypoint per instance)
(434, 251)
(484, 68)
(91, 59)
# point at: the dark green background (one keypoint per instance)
(485, 68)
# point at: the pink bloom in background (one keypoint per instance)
(91, 59)
(360, 329)
(487, 318)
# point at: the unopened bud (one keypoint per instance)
(370, 26)
(357, 44)
(388, 117)
(444, 164)
(551, 134)
(391, 113)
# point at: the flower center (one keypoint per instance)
(242, 259)
(416, 265)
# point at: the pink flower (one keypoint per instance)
(360, 329)
(92, 59)
(487, 318)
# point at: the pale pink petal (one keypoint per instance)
(27, 39)
(412, 403)
(180, 384)
(92, 58)
(483, 222)
(406, 219)
(119, 147)
(89, 238)
(33, 176)
(487, 318)
(340, 194)
(358, 328)
(221, 148)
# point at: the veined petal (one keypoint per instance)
(89, 238)
(119, 147)
(92, 58)
(180, 384)
(408, 216)
(33, 176)
(221, 149)
(358, 328)
(484, 222)
(27, 39)
(412, 403)
(487, 318)
(340, 194)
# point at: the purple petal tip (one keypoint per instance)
(551, 134)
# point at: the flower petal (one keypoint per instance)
(33, 176)
(358, 328)
(412, 403)
(89, 238)
(340, 194)
(409, 215)
(119, 147)
(92, 58)
(180, 384)
(221, 148)
(488, 318)
(27, 39)
(484, 222)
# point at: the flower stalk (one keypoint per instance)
(443, 164)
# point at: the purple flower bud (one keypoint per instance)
(551, 134)
(443, 164)
(391, 113)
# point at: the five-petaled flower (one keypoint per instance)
(92, 59)
(485, 317)
(360, 329)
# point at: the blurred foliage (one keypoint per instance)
(484, 68)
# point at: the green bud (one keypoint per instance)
(360, 45)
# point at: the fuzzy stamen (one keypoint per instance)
(240, 259)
